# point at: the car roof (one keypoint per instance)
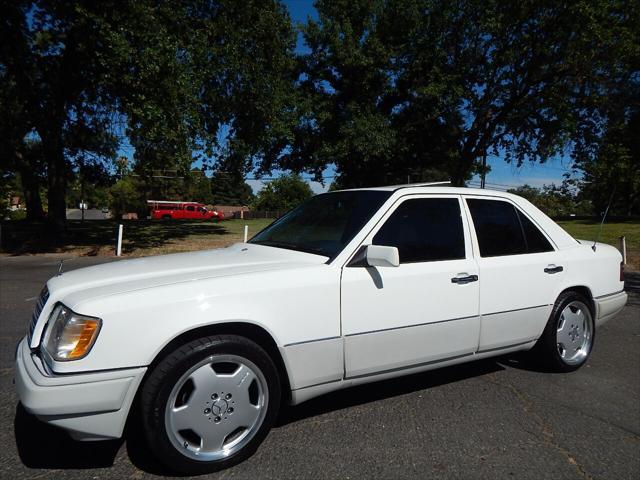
(436, 187)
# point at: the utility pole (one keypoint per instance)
(484, 170)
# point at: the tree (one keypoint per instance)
(197, 187)
(91, 186)
(555, 201)
(398, 85)
(127, 195)
(613, 175)
(229, 188)
(167, 75)
(283, 193)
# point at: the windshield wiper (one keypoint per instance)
(292, 246)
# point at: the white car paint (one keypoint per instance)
(333, 325)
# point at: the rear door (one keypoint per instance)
(426, 309)
(520, 272)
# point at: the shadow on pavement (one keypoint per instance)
(22, 237)
(373, 392)
(632, 283)
(44, 446)
(47, 447)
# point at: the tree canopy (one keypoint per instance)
(230, 189)
(393, 87)
(385, 91)
(78, 77)
(282, 194)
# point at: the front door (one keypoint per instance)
(426, 309)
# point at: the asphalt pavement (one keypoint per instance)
(500, 418)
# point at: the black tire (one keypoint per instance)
(547, 349)
(157, 388)
(166, 217)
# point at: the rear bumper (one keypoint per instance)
(91, 406)
(609, 306)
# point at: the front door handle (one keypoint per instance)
(553, 269)
(462, 278)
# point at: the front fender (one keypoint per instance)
(293, 306)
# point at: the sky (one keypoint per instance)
(501, 176)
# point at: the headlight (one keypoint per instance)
(70, 336)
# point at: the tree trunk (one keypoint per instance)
(462, 168)
(30, 188)
(57, 181)
(461, 171)
(31, 191)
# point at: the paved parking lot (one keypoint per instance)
(490, 419)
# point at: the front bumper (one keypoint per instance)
(91, 406)
(609, 306)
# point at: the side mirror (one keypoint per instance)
(376, 256)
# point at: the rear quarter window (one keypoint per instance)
(536, 241)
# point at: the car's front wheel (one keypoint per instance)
(568, 338)
(209, 404)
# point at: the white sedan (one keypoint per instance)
(351, 287)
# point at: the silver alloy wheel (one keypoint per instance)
(575, 330)
(216, 407)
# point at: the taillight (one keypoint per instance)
(622, 271)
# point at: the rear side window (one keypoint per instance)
(497, 228)
(503, 230)
(536, 241)
(424, 230)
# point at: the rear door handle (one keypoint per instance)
(462, 278)
(553, 269)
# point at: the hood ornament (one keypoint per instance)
(60, 272)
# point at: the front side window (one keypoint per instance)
(424, 230)
(324, 224)
(503, 230)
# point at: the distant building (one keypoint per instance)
(232, 211)
(15, 203)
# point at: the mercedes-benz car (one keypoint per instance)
(351, 287)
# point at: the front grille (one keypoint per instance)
(42, 300)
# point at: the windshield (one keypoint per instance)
(324, 224)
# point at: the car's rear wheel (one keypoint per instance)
(208, 405)
(567, 340)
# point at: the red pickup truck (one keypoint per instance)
(164, 210)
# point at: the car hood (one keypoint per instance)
(147, 272)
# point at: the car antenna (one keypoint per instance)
(593, 247)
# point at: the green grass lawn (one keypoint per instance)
(140, 237)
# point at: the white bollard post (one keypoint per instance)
(119, 246)
(246, 233)
(623, 249)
